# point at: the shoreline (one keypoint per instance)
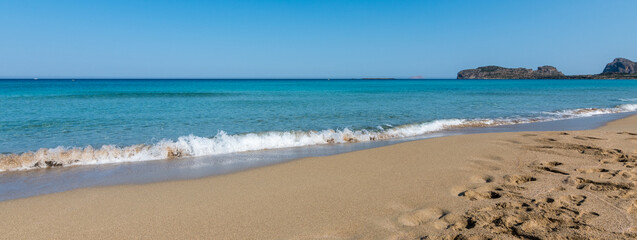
(34, 182)
(192, 146)
(439, 187)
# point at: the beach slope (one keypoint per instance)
(523, 184)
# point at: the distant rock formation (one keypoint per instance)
(620, 68)
(496, 72)
(621, 65)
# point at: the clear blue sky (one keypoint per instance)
(310, 39)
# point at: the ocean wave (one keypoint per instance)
(222, 143)
(587, 112)
(628, 99)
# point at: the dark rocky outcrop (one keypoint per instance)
(622, 66)
(496, 72)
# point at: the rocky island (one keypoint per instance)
(620, 68)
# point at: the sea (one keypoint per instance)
(106, 124)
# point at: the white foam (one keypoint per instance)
(224, 143)
(628, 107)
(587, 112)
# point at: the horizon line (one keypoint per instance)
(187, 78)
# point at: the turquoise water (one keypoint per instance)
(137, 120)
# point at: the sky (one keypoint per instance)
(308, 39)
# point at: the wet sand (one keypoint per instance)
(520, 185)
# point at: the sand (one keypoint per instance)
(530, 185)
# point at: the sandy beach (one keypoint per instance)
(530, 185)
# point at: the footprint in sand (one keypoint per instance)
(481, 179)
(552, 164)
(591, 170)
(604, 173)
(628, 133)
(588, 138)
(543, 200)
(551, 170)
(576, 200)
(519, 179)
(452, 221)
(481, 193)
(628, 174)
(582, 183)
(458, 190)
(420, 216)
(550, 167)
(630, 164)
(544, 147)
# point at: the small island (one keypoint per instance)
(620, 68)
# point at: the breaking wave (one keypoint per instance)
(222, 143)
